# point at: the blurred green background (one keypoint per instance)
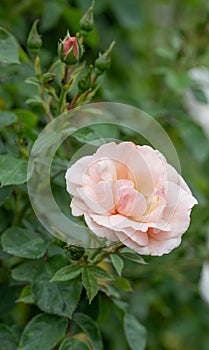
(157, 43)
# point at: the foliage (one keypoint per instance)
(51, 295)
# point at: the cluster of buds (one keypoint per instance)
(70, 52)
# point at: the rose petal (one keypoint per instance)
(178, 209)
(99, 230)
(75, 174)
(129, 202)
(99, 199)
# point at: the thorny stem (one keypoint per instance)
(74, 100)
(45, 103)
(111, 250)
(65, 88)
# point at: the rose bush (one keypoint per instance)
(131, 194)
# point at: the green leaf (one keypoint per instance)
(73, 344)
(8, 47)
(67, 273)
(5, 192)
(43, 332)
(199, 94)
(7, 338)
(135, 332)
(178, 82)
(90, 283)
(27, 271)
(6, 119)
(117, 263)
(13, 171)
(194, 138)
(128, 13)
(123, 284)
(26, 295)
(102, 131)
(99, 272)
(59, 298)
(33, 81)
(90, 328)
(27, 119)
(51, 14)
(132, 256)
(23, 243)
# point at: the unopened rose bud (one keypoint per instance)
(48, 77)
(85, 82)
(74, 253)
(87, 21)
(70, 49)
(34, 41)
(103, 62)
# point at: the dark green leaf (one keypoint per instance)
(59, 298)
(13, 171)
(8, 297)
(8, 47)
(199, 95)
(26, 295)
(73, 344)
(27, 271)
(117, 263)
(90, 328)
(67, 273)
(5, 193)
(43, 332)
(6, 119)
(23, 243)
(90, 283)
(135, 332)
(8, 339)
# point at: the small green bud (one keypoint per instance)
(34, 41)
(85, 82)
(87, 21)
(70, 49)
(48, 77)
(103, 62)
(74, 253)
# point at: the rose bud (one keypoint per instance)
(87, 21)
(34, 41)
(74, 253)
(70, 49)
(85, 82)
(103, 62)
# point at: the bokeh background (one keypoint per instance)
(157, 45)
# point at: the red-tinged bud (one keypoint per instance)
(70, 49)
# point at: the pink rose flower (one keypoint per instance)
(131, 194)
